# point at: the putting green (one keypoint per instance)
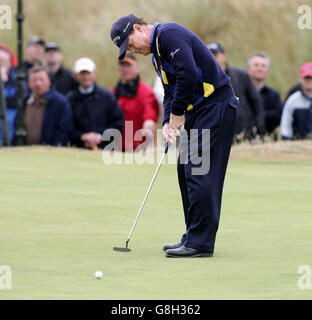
(63, 210)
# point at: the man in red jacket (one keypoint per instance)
(139, 105)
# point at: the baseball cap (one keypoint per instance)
(35, 40)
(120, 33)
(215, 47)
(129, 58)
(52, 46)
(84, 64)
(306, 70)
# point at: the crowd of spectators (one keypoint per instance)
(261, 110)
(64, 107)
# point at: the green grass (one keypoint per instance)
(62, 211)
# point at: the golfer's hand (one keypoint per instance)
(171, 130)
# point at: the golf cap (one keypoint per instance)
(120, 33)
(215, 47)
(84, 64)
(306, 70)
(52, 46)
(35, 40)
(128, 59)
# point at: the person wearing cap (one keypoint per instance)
(257, 67)
(62, 78)
(47, 115)
(250, 113)
(34, 54)
(95, 109)
(138, 103)
(199, 98)
(296, 122)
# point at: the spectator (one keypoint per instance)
(138, 103)
(62, 78)
(292, 90)
(14, 61)
(8, 77)
(47, 117)
(34, 53)
(250, 112)
(296, 120)
(257, 67)
(95, 109)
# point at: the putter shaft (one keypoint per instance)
(147, 193)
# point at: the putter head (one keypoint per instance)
(121, 249)
(126, 249)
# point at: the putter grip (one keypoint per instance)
(166, 147)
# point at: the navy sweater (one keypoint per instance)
(184, 63)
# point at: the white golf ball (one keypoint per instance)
(98, 274)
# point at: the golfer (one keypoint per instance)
(198, 95)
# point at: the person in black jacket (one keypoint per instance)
(257, 67)
(62, 78)
(250, 112)
(94, 108)
(34, 54)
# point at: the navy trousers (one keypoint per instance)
(202, 193)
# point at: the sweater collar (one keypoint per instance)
(153, 38)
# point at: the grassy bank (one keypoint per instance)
(242, 26)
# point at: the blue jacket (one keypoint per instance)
(190, 74)
(10, 94)
(57, 123)
(10, 90)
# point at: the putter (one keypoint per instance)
(126, 249)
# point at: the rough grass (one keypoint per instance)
(281, 150)
(242, 26)
(62, 211)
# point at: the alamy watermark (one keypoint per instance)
(194, 148)
(305, 20)
(305, 280)
(5, 277)
(5, 17)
